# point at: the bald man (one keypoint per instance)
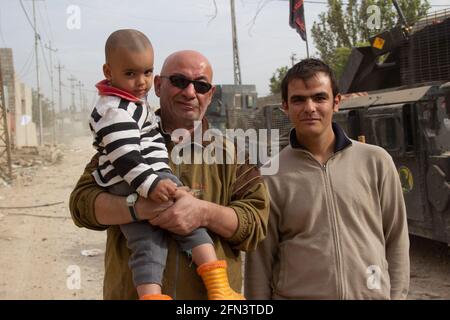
(231, 202)
(134, 161)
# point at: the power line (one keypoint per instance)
(1, 32)
(45, 59)
(28, 18)
(42, 24)
(48, 20)
(346, 3)
(104, 10)
(26, 66)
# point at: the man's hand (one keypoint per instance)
(183, 217)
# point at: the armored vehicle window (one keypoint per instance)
(386, 133)
(409, 127)
(237, 101)
(249, 101)
(447, 104)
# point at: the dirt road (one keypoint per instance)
(42, 248)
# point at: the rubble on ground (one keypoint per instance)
(25, 160)
(36, 156)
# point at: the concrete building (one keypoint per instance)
(18, 98)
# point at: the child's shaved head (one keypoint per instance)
(129, 39)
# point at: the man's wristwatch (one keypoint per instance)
(131, 201)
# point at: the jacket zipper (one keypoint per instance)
(323, 167)
(337, 248)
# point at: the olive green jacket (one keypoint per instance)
(237, 186)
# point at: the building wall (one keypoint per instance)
(22, 130)
(7, 73)
(26, 133)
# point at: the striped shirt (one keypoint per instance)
(131, 147)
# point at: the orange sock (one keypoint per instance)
(155, 297)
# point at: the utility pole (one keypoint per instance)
(72, 80)
(59, 67)
(80, 85)
(236, 64)
(5, 146)
(50, 50)
(293, 59)
(36, 40)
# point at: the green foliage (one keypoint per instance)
(275, 81)
(339, 29)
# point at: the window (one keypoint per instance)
(237, 101)
(386, 133)
(250, 102)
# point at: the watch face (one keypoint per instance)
(131, 199)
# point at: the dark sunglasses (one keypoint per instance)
(181, 82)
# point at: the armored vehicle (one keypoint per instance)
(396, 94)
(403, 105)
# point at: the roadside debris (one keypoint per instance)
(91, 252)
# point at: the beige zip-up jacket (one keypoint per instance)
(336, 231)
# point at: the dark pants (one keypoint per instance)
(148, 244)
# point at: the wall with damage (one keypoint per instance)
(26, 131)
(22, 129)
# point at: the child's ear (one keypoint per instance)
(107, 71)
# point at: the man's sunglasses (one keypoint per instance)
(181, 82)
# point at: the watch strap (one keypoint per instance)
(133, 213)
(131, 203)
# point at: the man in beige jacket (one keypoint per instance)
(337, 226)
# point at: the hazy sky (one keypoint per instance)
(171, 25)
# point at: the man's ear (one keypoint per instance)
(284, 107)
(336, 102)
(157, 85)
(107, 71)
(211, 94)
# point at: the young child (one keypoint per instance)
(134, 158)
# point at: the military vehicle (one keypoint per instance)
(403, 105)
(396, 95)
(232, 106)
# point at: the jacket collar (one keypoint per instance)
(105, 89)
(342, 140)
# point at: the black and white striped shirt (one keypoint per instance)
(130, 145)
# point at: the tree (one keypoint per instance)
(339, 29)
(275, 81)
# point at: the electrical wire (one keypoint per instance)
(27, 65)
(1, 32)
(28, 18)
(45, 59)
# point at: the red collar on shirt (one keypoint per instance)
(105, 89)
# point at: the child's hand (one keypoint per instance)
(164, 191)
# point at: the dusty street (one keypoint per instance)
(42, 248)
